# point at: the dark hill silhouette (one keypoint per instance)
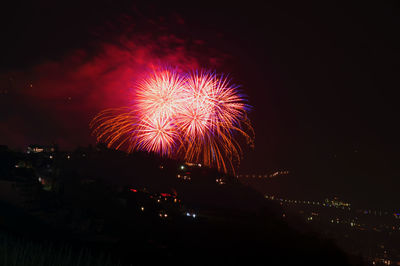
(235, 225)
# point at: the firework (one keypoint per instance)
(160, 94)
(194, 116)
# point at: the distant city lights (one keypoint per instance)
(274, 174)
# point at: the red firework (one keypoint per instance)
(194, 116)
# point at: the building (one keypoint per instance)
(41, 149)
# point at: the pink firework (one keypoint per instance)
(214, 113)
(156, 134)
(212, 103)
(194, 116)
(158, 100)
(160, 94)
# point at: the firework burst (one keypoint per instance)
(194, 116)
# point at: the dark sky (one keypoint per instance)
(322, 78)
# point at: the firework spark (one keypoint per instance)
(194, 116)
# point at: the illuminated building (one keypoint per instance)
(40, 149)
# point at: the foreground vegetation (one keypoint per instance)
(20, 252)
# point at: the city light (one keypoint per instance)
(274, 174)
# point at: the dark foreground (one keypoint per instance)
(94, 221)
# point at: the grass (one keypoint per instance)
(20, 252)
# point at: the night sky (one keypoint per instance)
(322, 79)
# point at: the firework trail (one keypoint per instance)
(194, 116)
